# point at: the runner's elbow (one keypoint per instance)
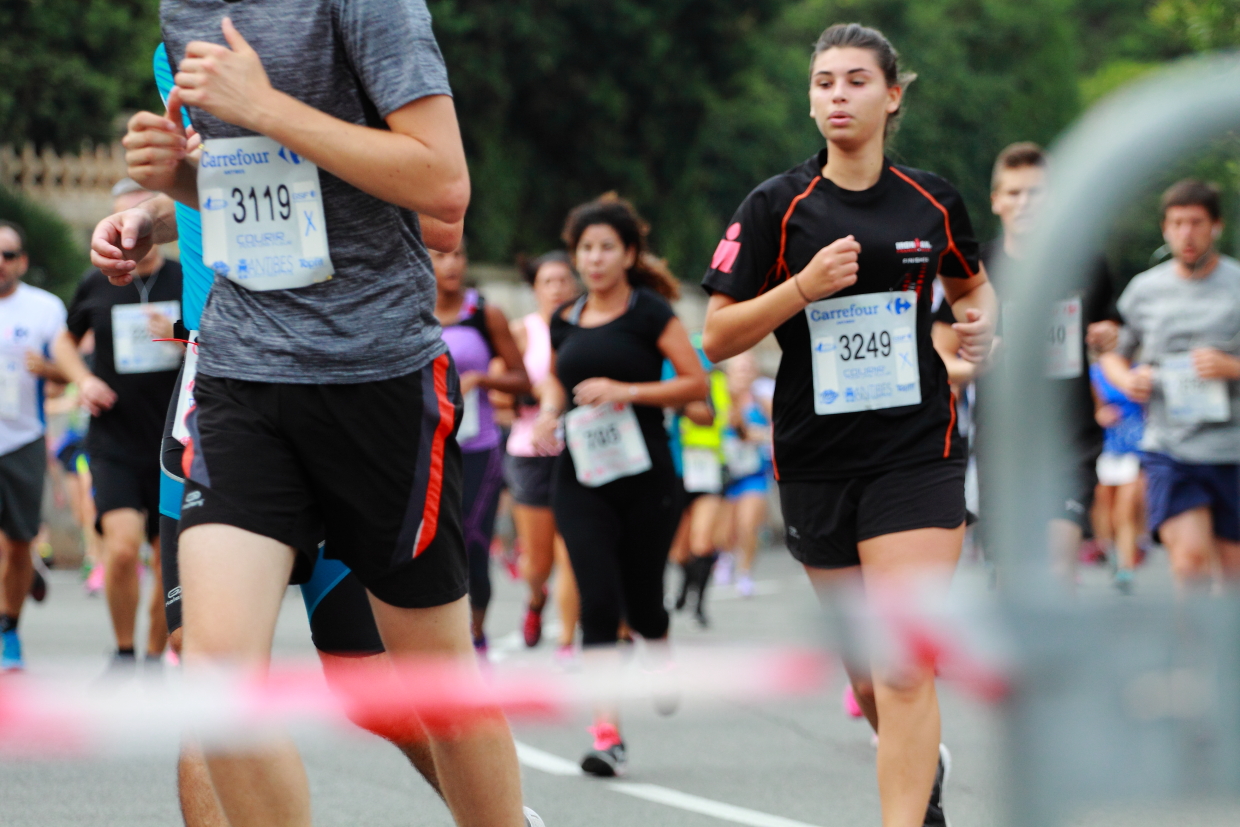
(450, 201)
(716, 346)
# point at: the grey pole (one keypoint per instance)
(1140, 699)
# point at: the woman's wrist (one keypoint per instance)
(796, 282)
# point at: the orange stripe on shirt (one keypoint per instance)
(434, 483)
(951, 426)
(781, 265)
(947, 224)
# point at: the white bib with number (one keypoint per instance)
(469, 418)
(185, 394)
(863, 350)
(12, 376)
(262, 215)
(1190, 399)
(703, 471)
(744, 458)
(606, 443)
(1064, 359)
(133, 348)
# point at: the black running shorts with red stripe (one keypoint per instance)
(372, 468)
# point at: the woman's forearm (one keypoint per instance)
(734, 327)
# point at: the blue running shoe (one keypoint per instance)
(11, 659)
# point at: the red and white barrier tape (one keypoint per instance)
(61, 717)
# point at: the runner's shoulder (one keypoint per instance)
(39, 298)
(773, 195)
(936, 185)
(1157, 278)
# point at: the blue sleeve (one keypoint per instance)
(197, 277)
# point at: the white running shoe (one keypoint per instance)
(532, 819)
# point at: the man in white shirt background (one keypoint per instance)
(30, 320)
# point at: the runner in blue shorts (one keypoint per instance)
(1183, 316)
(746, 446)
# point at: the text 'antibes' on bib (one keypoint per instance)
(1192, 400)
(133, 347)
(1064, 345)
(863, 350)
(606, 443)
(262, 215)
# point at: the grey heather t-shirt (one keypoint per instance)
(1165, 314)
(358, 60)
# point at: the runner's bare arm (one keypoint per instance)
(419, 164)
(514, 379)
(441, 236)
(689, 384)
(734, 327)
(552, 400)
(94, 391)
(121, 240)
(947, 344)
(976, 308)
(699, 412)
(1135, 383)
(161, 154)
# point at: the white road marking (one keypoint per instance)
(555, 765)
(536, 759)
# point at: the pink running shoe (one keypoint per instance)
(851, 707)
(94, 581)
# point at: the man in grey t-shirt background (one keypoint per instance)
(1178, 353)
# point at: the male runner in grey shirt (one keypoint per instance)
(1182, 325)
(325, 405)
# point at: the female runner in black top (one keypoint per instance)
(617, 515)
(837, 257)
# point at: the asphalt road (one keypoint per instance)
(785, 763)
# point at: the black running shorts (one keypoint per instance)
(123, 485)
(825, 520)
(371, 468)
(21, 490)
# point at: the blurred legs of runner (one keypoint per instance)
(16, 575)
(703, 522)
(200, 806)
(233, 583)
(906, 700)
(542, 549)
(122, 542)
(1197, 555)
(748, 514)
(827, 584)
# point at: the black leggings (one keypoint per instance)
(618, 537)
(483, 473)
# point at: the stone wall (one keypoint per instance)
(77, 187)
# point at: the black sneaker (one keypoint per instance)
(686, 583)
(935, 817)
(605, 763)
(38, 587)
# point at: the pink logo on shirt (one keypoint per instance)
(727, 251)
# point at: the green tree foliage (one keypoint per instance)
(68, 68)
(561, 100)
(56, 258)
(1202, 25)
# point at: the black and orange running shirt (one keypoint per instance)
(912, 225)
